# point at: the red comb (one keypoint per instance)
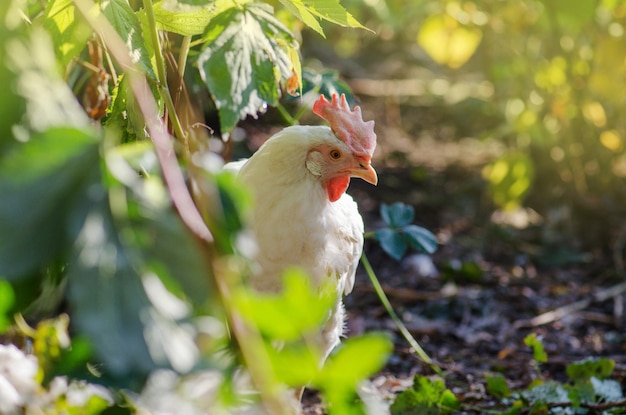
(347, 125)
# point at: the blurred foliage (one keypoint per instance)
(121, 257)
(588, 389)
(545, 78)
(428, 397)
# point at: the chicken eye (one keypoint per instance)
(335, 154)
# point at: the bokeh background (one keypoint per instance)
(529, 94)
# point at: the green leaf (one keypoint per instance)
(12, 106)
(183, 22)
(128, 315)
(243, 60)
(127, 25)
(420, 238)
(39, 181)
(49, 100)
(585, 369)
(329, 10)
(147, 223)
(66, 27)
(544, 393)
(397, 215)
(298, 9)
(299, 308)
(607, 390)
(124, 113)
(392, 242)
(356, 359)
(428, 397)
(295, 364)
(326, 82)
(51, 338)
(534, 342)
(497, 386)
(7, 300)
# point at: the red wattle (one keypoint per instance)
(336, 187)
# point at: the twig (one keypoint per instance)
(394, 316)
(179, 132)
(405, 294)
(559, 313)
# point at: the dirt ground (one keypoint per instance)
(493, 280)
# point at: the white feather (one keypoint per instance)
(295, 224)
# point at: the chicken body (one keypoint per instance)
(302, 217)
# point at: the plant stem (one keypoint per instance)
(162, 75)
(394, 316)
(285, 114)
(182, 56)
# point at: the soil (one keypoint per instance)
(496, 277)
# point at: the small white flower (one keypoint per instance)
(17, 378)
(80, 392)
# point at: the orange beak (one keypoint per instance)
(364, 170)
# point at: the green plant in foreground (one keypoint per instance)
(98, 220)
(588, 390)
(426, 397)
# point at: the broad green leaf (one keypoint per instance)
(299, 309)
(127, 25)
(420, 238)
(497, 386)
(39, 181)
(581, 392)
(330, 10)
(164, 243)
(600, 368)
(243, 60)
(534, 342)
(124, 113)
(67, 28)
(295, 364)
(169, 250)
(49, 100)
(128, 315)
(397, 215)
(183, 22)
(427, 397)
(298, 9)
(356, 359)
(392, 242)
(448, 42)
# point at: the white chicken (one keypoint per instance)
(301, 214)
